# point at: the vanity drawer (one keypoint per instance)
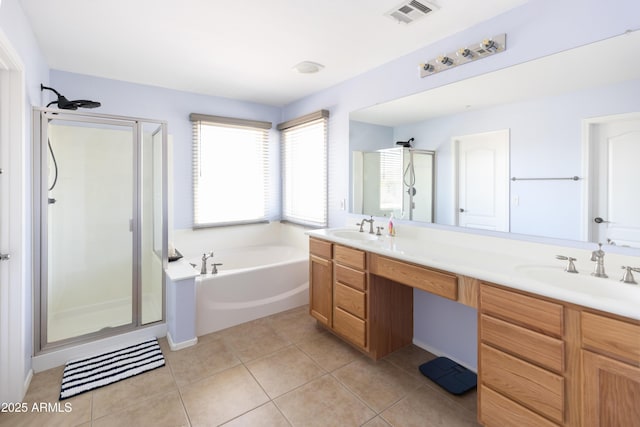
(533, 346)
(543, 316)
(611, 336)
(497, 410)
(348, 276)
(320, 248)
(349, 256)
(349, 326)
(543, 391)
(350, 300)
(435, 282)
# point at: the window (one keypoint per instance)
(230, 170)
(391, 179)
(304, 169)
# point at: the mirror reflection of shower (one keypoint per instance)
(398, 181)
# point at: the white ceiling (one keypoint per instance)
(239, 49)
(597, 64)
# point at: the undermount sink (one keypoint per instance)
(353, 235)
(582, 281)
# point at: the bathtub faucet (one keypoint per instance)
(205, 257)
(214, 267)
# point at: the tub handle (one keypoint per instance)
(215, 265)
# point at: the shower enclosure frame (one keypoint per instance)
(41, 119)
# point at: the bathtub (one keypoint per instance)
(252, 282)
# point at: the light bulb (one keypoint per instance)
(465, 53)
(445, 60)
(428, 68)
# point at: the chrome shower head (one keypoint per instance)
(64, 104)
(406, 144)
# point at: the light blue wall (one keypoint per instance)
(130, 99)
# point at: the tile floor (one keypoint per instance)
(281, 370)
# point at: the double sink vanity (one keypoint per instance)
(554, 348)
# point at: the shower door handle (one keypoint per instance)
(5, 257)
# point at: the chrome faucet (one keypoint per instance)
(370, 221)
(598, 257)
(571, 267)
(205, 257)
(628, 275)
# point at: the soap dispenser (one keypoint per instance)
(391, 228)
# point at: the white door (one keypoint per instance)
(616, 214)
(483, 180)
(13, 335)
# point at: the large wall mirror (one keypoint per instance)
(550, 147)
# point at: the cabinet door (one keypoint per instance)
(611, 390)
(320, 289)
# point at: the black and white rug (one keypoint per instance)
(87, 374)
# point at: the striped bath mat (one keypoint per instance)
(86, 374)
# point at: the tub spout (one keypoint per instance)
(205, 257)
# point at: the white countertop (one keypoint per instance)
(180, 270)
(526, 266)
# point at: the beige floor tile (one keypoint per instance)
(295, 325)
(284, 370)
(379, 384)
(68, 413)
(328, 351)
(427, 408)
(376, 422)
(253, 340)
(45, 386)
(164, 410)
(410, 358)
(120, 395)
(323, 402)
(200, 361)
(264, 416)
(222, 397)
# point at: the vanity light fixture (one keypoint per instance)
(466, 54)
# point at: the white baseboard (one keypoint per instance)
(179, 346)
(55, 358)
(27, 382)
(437, 352)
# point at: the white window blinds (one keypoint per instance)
(304, 169)
(230, 170)
(391, 179)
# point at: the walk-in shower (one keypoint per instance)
(100, 233)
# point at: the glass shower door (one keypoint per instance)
(90, 207)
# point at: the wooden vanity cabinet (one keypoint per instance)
(521, 359)
(321, 281)
(350, 296)
(610, 371)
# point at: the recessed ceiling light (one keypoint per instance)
(307, 67)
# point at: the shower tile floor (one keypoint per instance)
(282, 370)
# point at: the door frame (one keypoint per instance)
(589, 166)
(14, 304)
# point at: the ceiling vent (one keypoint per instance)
(409, 11)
